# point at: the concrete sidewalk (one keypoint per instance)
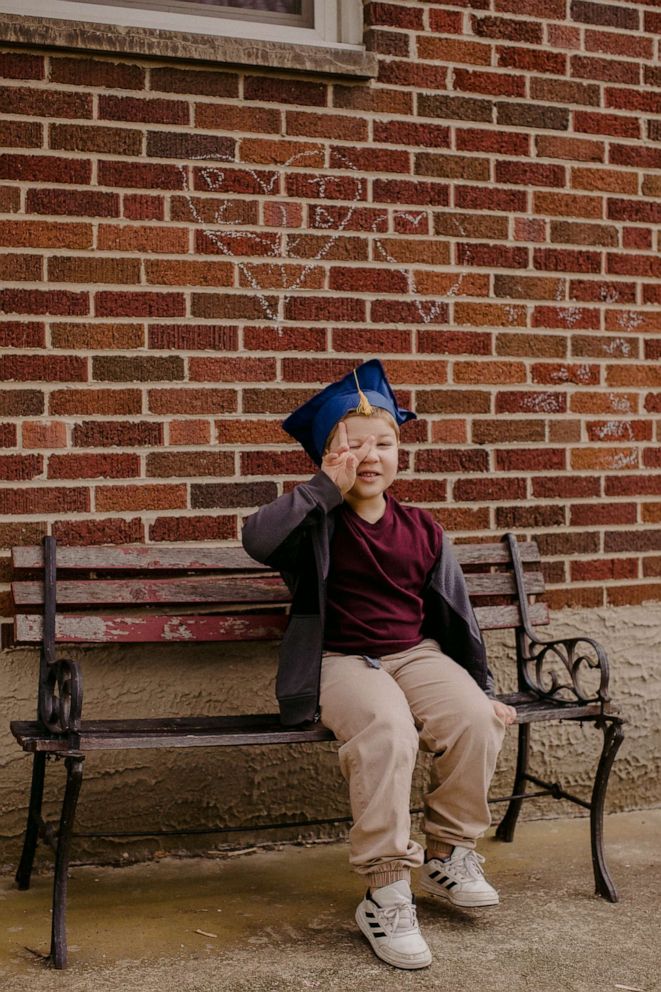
(283, 920)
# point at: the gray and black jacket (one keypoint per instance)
(292, 535)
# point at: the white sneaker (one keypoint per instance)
(459, 879)
(392, 927)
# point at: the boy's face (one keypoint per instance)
(377, 470)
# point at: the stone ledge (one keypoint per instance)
(151, 43)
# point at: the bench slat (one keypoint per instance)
(72, 628)
(503, 617)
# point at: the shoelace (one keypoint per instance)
(392, 914)
(469, 866)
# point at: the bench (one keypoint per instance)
(133, 594)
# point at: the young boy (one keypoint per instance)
(384, 648)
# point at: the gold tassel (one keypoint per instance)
(364, 406)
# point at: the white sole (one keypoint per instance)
(467, 901)
(386, 954)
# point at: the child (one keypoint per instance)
(384, 648)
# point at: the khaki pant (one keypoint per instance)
(419, 697)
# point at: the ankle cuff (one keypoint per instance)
(377, 879)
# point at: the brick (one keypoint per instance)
(641, 322)
(606, 70)
(471, 490)
(142, 206)
(21, 268)
(205, 82)
(419, 490)
(259, 182)
(407, 72)
(425, 251)
(21, 402)
(192, 402)
(584, 234)
(394, 16)
(10, 199)
(20, 468)
(565, 487)
(481, 140)
(491, 432)
(633, 485)
(488, 372)
(95, 401)
(633, 265)
(325, 308)
(491, 83)
(527, 287)
(192, 337)
(88, 466)
(635, 155)
(231, 369)
(450, 50)
(97, 335)
(21, 65)
(282, 276)
(532, 60)
(140, 175)
(303, 339)
(550, 373)
(31, 101)
(382, 101)
(141, 238)
(532, 115)
(575, 598)
(506, 28)
(453, 401)
(640, 212)
(601, 13)
(347, 218)
(97, 72)
(282, 214)
(38, 301)
(568, 543)
(520, 517)
(172, 144)
(529, 229)
(424, 372)
(232, 494)
(634, 375)
(635, 237)
(370, 159)
(619, 44)
(8, 436)
(140, 497)
(598, 346)
(454, 342)
(79, 203)
(454, 107)
(643, 540)
(137, 368)
(617, 403)
(235, 117)
(89, 138)
(213, 210)
(531, 345)
(490, 198)
(531, 460)
(270, 89)
(17, 334)
(187, 273)
(44, 234)
(93, 270)
(410, 222)
(439, 284)
(451, 461)
(567, 205)
(274, 463)
(189, 432)
(46, 169)
(372, 340)
(600, 570)
(109, 303)
(577, 149)
(628, 99)
(272, 151)
(565, 91)
(604, 459)
(227, 306)
(203, 528)
(116, 434)
(187, 464)
(342, 128)
(566, 260)
(314, 369)
(449, 431)
(451, 167)
(426, 311)
(410, 133)
(21, 134)
(651, 513)
(44, 499)
(451, 21)
(572, 318)
(593, 123)
(602, 291)
(619, 430)
(325, 187)
(454, 224)
(368, 280)
(472, 253)
(522, 401)
(143, 109)
(387, 42)
(278, 401)
(108, 531)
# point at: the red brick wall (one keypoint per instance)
(189, 252)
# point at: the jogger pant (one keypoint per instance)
(417, 698)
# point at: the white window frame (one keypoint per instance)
(337, 23)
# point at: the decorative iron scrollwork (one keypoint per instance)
(61, 696)
(567, 670)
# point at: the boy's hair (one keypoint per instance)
(377, 411)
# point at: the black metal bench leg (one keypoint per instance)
(58, 949)
(24, 871)
(505, 829)
(613, 737)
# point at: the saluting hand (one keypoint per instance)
(340, 463)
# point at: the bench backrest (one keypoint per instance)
(138, 593)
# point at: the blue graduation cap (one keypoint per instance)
(359, 391)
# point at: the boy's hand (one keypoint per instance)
(340, 463)
(506, 713)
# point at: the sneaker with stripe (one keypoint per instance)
(459, 879)
(392, 930)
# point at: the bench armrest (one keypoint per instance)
(565, 669)
(61, 696)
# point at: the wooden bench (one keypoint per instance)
(133, 594)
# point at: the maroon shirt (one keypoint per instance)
(376, 579)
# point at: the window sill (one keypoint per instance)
(337, 60)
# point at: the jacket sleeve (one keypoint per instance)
(273, 533)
